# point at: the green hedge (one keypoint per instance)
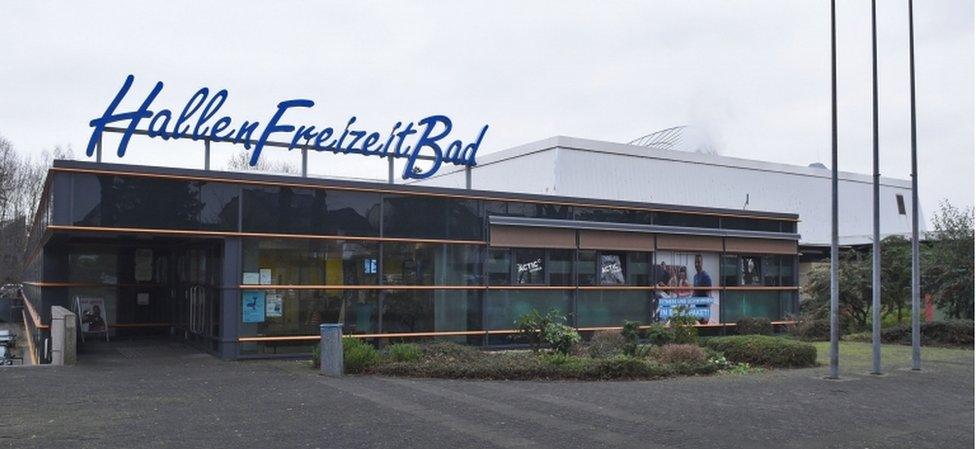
(754, 326)
(451, 361)
(955, 333)
(762, 350)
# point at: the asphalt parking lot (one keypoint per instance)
(165, 395)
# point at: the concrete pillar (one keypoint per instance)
(64, 343)
(330, 349)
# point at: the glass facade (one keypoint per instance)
(278, 260)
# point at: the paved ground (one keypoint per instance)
(132, 395)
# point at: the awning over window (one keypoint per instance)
(689, 243)
(736, 245)
(620, 241)
(532, 237)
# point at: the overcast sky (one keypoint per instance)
(754, 75)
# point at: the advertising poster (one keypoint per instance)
(274, 304)
(250, 278)
(265, 276)
(252, 307)
(611, 270)
(91, 314)
(685, 279)
(528, 272)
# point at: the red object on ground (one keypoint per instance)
(929, 308)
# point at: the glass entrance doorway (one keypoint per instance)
(197, 288)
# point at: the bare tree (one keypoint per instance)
(241, 161)
(22, 181)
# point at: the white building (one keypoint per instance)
(584, 168)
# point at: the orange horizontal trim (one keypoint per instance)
(136, 325)
(190, 232)
(496, 287)
(88, 284)
(759, 288)
(360, 287)
(225, 180)
(453, 333)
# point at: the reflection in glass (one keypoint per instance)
(311, 211)
(431, 264)
(117, 201)
(310, 262)
(503, 307)
(613, 307)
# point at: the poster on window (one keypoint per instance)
(750, 270)
(273, 304)
(528, 272)
(252, 307)
(611, 270)
(685, 281)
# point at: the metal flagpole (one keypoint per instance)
(876, 247)
(834, 346)
(916, 276)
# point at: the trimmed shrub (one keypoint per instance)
(631, 335)
(658, 334)
(538, 329)
(561, 337)
(949, 333)
(683, 329)
(402, 352)
(812, 330)
(670, 354)
(449, 352)
(358, 356)
(754, 326)
(956, 333)
(317, 356)
(762, 350)
(605, 344)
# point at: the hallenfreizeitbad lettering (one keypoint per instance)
(193, 122)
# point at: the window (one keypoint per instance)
(310, 262)
(730, 270)
(118, 201)
(638, 268)
(901, 204)
(431, 264)
(587, 267)
(500, 266)
(687, 220)
(310, 211)
(428, 217)
(613, 215)
(561, 267)
(538, 210)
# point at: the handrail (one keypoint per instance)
(33, 313)
(258, 339)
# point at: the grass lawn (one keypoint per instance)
(857, 356)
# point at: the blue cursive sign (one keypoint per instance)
(429, 136)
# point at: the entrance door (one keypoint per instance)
(199, 277)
